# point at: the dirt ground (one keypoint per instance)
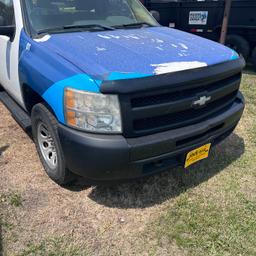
(39, 217)
(104, 220)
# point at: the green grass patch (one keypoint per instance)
(218, 217)
(13, 199)
(54, 247)
(204, 228)
(5, 225)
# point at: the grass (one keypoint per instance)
(219, 216)
(5, 225)
(12, 198)
(209, 209)
(204, 228)
(54, 247)
(57, 246)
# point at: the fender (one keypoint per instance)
(48, 74)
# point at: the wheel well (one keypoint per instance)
(31, 98)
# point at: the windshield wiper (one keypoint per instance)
(75, 27)
(89, 26)
(134, 25)
(49, 30)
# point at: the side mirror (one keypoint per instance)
(7, 31)
(156, 15)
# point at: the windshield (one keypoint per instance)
(53, 15)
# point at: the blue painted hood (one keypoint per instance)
(146, 51)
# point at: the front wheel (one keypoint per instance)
(45, 134)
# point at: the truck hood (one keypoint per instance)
(134, 53)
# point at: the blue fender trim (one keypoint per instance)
(234, 56)
(120, 76)
(54, 95)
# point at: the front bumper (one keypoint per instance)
(114, 157)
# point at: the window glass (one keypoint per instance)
(44, 14)
(6, 13)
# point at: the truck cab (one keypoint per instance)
(109, 93)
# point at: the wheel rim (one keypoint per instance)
(47, 145)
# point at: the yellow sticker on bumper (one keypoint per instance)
(197, 155)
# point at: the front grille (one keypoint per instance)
(156, 111)
(183, 117)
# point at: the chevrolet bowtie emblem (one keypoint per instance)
(202, 101)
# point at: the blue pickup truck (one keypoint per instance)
(109, 93)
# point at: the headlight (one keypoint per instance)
(92, 111)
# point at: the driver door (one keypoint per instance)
(9, 49)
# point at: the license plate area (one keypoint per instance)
(197, 155)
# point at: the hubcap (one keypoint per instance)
(47, 145)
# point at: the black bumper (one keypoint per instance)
(113, 157)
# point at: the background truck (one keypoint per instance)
(111, 95)
(204, 18)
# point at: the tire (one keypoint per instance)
(239, 44)
(46, 138)
(254, 58)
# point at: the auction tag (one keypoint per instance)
(197, 155)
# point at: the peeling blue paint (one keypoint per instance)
(133, 51)
(83, 60)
